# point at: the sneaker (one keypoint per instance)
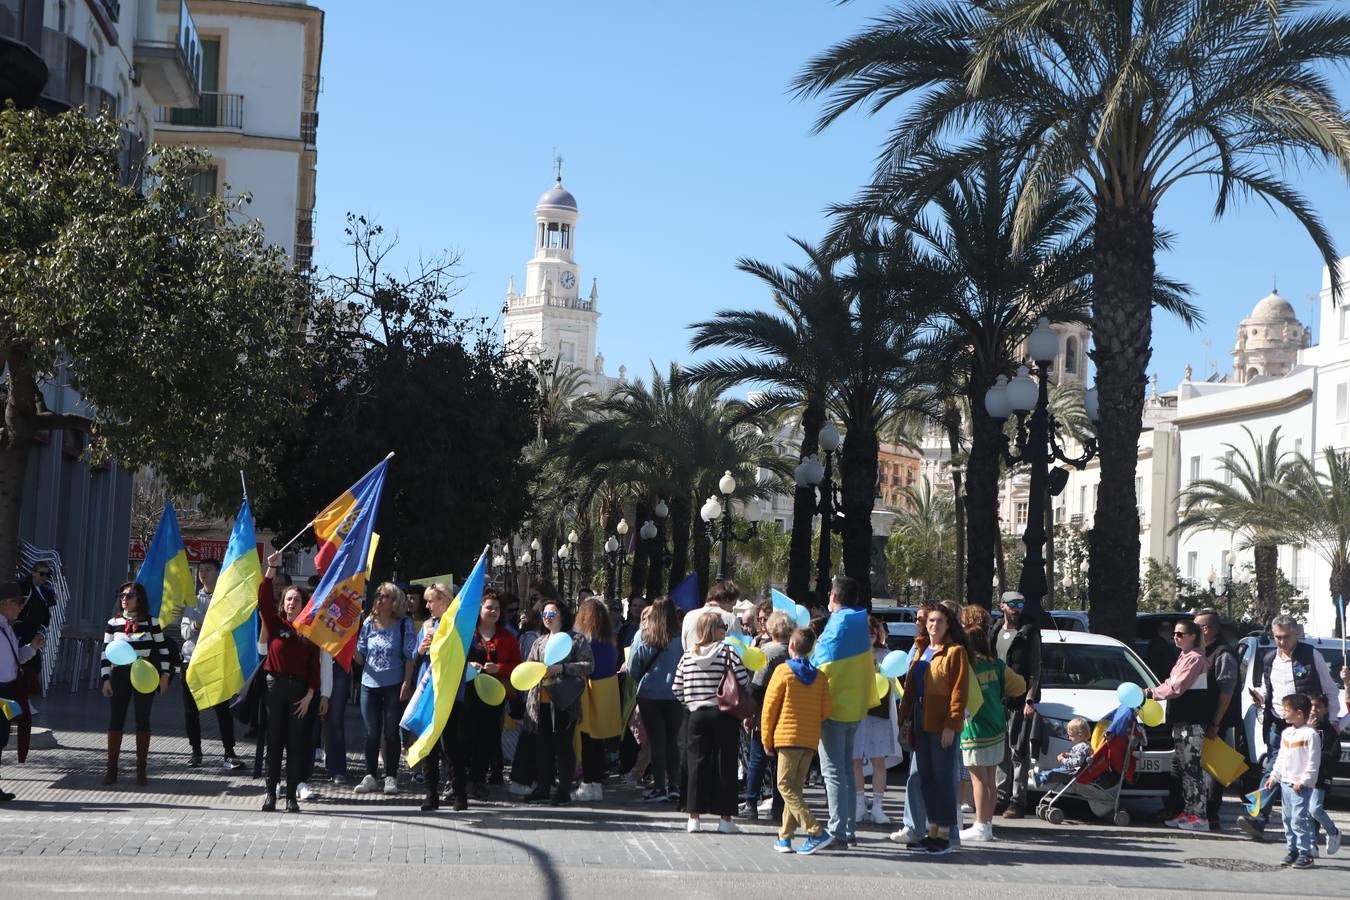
(879, 816)
(368, 785)
(938, 846)
(815, 842)
(967, 809)
(391, 785)
(302, 790)
(339, 780)
(655, 796)
(1289, 858)
(906, 836)
(783, 845)
(726, 826)
(233, 763)
(980, 833)
(1251, 828)
(195, 759)
(1303, 862)
(1175, 821)
(519, 790)
(1195, 823)
(419, 778)
(691, 826)
(1014, 811)
(1333, 843)
(748, 811)
(860, 809)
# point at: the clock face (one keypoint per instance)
(568, 280)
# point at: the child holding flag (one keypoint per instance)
(1295, 772)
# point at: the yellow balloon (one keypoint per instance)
(527, 675)
(1151, 713)
(144, 677)
(1099, 734)
(490, 690)
(883, 687)
(754, 658)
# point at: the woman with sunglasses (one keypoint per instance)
(553, 707)
(131, 622)
(1188, 712)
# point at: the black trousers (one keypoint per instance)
(593, 759)
(662, 719)
(526, 757)
(554, 755)
(8, 690)
(452, 745)
(714, 745)
(124, 695)
(192, 721)
(482, 733)
(286, 730)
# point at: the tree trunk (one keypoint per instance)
(1122, 327)
(702, 558)
(982, 484)
(1266, 558)
(858, 490)
(952, 420)
(1337, 585)
(680, 513)
(16, 442)
(804, 510)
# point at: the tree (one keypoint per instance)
(183, 332)
(1127, 99)
(926, 527)
(1318, 514)
(1250, 500)
(437, 389)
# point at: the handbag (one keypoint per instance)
(732, 696)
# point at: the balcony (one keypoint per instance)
(168, 54)
(309, 127)
(97, 101)
(66, 60)
(22, 71)
(213, 110)
(304, 240)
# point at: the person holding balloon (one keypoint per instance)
(132, 673)
(1188, 712)
(494, 651)
(553, 706)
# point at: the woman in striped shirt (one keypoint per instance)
(714, 735)
(132, 623)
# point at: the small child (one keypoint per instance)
(1295, 771)
(1331, 751)
(1071, 761)
(796, 703)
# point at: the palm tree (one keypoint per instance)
(791, 346)
(1318, 514)
(928, 525)
(1250, 500)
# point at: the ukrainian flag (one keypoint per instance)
(165, 573)
(333, 615)
(11, 708)
(429, 708)
(227, 648)
(844, 654)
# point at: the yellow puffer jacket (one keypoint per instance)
(793, 710)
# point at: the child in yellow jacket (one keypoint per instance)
(796, 703)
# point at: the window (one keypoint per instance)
(1298, 446)
(1071, 356)
(1295, 567)
(204, 182)
(1139, 496)
(1228, 458)
(1020, 512)
(1345, 324)
(1226, 565)
(567, 351)
(1195, 469)
(1082, 499)
(1342, 402)
(1192, 561)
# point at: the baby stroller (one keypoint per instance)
(1099, 783)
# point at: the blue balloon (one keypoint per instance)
(1130, 694)
(802, 615)
(121, 653)
(470, 673)
(895, 664)
(559, 647)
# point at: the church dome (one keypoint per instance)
(557, 197)
(1272, 308)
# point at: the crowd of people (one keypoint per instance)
(663, 698)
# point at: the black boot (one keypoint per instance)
(270, 798)
(538, 795)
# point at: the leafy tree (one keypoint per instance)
(1318, 515)
(1128, 98)
(183, 332)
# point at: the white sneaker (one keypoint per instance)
(766, 805)
(586, 792)
(879, 816)
(860, 808)
(391, 785)
(519, 790)
(691, 826)
(368, 785)
(302, 791)
(597, 793)
(967, 808)
(978, 833)
(1333, 843)
(906, 836)
(726, 827)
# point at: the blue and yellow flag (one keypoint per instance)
(227, 647)
(11, 708)
(844, 654)
(333, 615)
(165, 573)
(429, 708)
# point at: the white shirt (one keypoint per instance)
(12, 654)
(1299, 756)
(1282, 684)
(690, 626)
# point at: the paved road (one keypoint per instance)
(196, 832)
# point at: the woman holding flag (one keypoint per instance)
(451, 739)
(292, 668)
(553, 706)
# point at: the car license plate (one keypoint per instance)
(1345, 755)
(1152, 763)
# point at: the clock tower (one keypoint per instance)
(550, 318)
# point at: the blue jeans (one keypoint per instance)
(1294, 808)
(836, 765)
(1318, 814)
(916, 815)
(1273, 731)
(335, 757)
(939, 771)
(757, 766)
(380, 714)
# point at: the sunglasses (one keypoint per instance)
(1177, 634)
(549, 614)
(1015, 604)
(125, 594)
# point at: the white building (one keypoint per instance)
(260, 64)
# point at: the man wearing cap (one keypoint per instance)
(1018, 643)
(13, 655)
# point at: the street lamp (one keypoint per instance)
(1083, 569)
(724, 531)
(498, 565)
(1036, 445)
(615, 553)
(660, 556)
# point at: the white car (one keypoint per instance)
(1079, 676)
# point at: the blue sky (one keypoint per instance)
(685, 151)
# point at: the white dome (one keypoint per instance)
(1273, 308)
(557, 197)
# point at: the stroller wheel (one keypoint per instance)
(1122, 817)
(1055, 816)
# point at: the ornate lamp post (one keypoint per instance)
(569, 565)
(724, 531)
(1036, 445)
(524, 565)
(660, 556)
(810, 472)
(1083, 569)
(615, 553)
(498, 568)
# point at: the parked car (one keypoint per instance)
(900, 635)
(890, 614)
(1251, 650)
(1080, 672)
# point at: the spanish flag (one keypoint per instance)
(333, 615)
(165, 573)
(227, 648)
(844, 654)
(429, 708)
